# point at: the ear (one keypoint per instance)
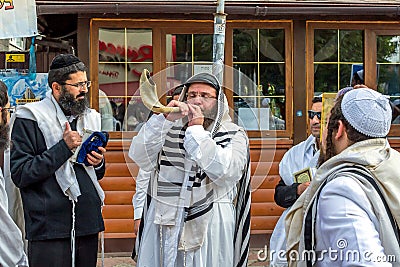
(341, 131)
(56, 89)
(56, 86)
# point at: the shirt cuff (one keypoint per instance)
(137, 213)
(193, 137)
(98, 167)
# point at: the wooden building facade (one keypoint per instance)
(279, 54)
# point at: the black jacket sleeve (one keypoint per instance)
(285, 195)
(100, 170)
(30, 160)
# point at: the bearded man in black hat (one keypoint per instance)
(198, 159)
(62, 199)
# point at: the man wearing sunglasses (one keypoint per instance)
(62, 199)
(287, 191)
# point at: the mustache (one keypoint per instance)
(81, 94)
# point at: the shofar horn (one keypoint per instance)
(148, 93)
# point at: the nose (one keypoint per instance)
(195, 100)
(315, 119)
(83, 88)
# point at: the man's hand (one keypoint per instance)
(173, 116)
(196, 116)
(302, 187)
(71, 138)
(95, 158)
(136, 224)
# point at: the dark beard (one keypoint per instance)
(70, 105)
(210, 116)
(322, 158)
(326, 155)
(4, 136)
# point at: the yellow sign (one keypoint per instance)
(328, 101)
(15, 57)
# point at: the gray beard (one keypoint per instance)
(207, 123)
(70, 105)
(210, 116)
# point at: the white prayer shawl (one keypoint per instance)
(172, 191)
(15, 207)
(382, 161)
(175, 189)
(52, 128)
(11, 243)
(300, 156)
(139, 198)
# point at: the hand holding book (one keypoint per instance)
(302, 176)
(91, 141)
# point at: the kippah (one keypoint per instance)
(368, 111)
(64, 60)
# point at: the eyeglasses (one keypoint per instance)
(80, 85)
(10, 110)
(205, 96)
(312, 114)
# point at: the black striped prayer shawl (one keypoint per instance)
(171, 170)
(172, 165)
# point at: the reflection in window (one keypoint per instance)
(189, 54)
(123, 54)
(388, 69)
(136, 115)
(106, 111)
(259, 83)
(338, 54)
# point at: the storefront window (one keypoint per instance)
(259, 90)
(388, 69)
(187, 54)
(123, 54)
(338, 55)
(259, 83)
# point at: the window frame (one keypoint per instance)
(287, 26)
(371, 31)
(161, 27)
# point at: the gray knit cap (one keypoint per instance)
(206, 78)
(368, 111)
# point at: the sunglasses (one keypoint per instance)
(312, 114)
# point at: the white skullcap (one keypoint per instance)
(368, 111)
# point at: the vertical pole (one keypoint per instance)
(219, 41)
